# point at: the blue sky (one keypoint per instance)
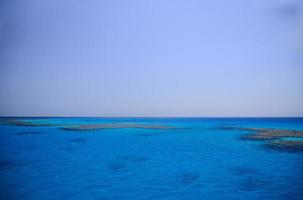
(151, 58)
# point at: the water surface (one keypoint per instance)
(197, 160)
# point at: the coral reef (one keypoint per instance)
(86, 127)
(269, 134)
(274, 137)
(291, 146)
(15, 122)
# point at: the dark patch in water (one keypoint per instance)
(243, 171)
(29, 133)
(189, 178)
(117, 167)
(78, 140)
(251, 183)
(9, 164)
(285, 146)
(250, 179)
(146, 134)
(191, 157)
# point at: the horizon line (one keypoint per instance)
(151, 117)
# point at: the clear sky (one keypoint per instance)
(151, 58)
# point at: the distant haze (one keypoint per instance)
(151, 58)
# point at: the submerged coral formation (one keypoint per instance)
(18, 122)
(86, 127)
(269, 134)
(288, 145)
(189, 178)
(83, 127)
(274, 137)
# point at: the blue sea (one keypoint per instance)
(197, 160)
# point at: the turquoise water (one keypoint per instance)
(199, 162)
(292, 139)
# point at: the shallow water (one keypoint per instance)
(292, 139)
(199, 162)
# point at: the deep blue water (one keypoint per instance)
(201, 162)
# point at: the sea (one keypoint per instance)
(198, 159)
